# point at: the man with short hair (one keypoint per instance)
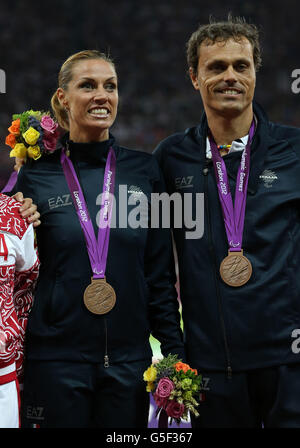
(240, 282)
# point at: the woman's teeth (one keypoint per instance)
(100, 112)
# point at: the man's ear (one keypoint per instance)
(194, 78)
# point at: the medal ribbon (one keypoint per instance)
(234, 216)
(11, 182)
(97, 248)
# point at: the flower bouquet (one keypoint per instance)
(32, 133)
(174, 386)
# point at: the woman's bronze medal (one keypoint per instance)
(99, 297)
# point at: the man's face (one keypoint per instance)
(225, 77)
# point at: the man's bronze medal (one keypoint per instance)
(99, 297)
(235, 269)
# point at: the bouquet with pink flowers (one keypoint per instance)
(175, 387)
(32, 133)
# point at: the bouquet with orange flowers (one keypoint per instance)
(175, 387)
(31, 133)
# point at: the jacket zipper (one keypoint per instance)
(213, 256)
(106, 358)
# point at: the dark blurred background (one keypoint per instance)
(147, 42)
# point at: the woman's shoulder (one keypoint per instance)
(46, 162)
(144, 159)
(135, 152)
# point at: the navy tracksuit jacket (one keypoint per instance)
(139, 265)
(256, 325)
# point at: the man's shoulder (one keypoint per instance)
(285, 132)
(289, 135)
(11, 220)
(283, 129)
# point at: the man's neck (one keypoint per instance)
(226, 129)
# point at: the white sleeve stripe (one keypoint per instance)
(20, 252)
(29, 252)
(8, 369)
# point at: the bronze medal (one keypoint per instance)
(235, 269)
(99, 297)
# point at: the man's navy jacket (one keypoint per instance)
(258, 324)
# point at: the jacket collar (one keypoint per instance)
(93, 152)
(262, 140)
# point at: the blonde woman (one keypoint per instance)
(102, 288)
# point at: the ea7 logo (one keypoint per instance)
(59, 201)
(205, 381)
(183, 182)
(35, 412)
(296, 343)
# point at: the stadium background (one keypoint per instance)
(147, 42)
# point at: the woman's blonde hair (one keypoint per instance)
(65, 76)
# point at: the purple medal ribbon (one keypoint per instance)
(234, 216)
(97, 248)
(11, 182)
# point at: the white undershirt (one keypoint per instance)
(236, 145)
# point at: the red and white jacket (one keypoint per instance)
(19, 266)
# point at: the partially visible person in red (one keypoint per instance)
(19, 267)
(94, 361)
